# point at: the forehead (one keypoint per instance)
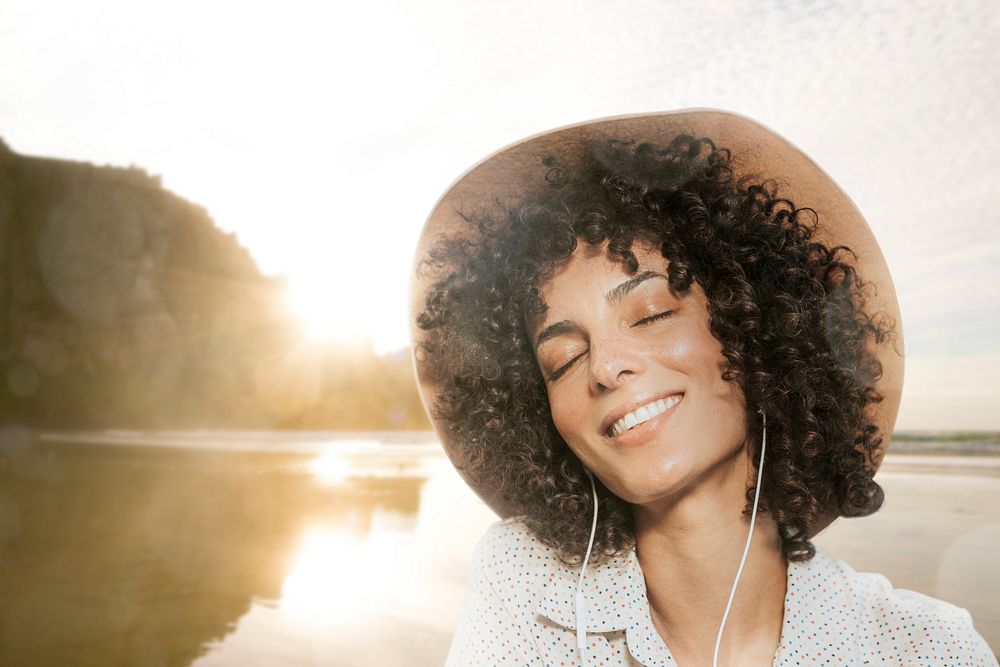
(593, 267)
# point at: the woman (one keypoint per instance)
(668, 374)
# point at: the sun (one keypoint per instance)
(349, 309)
(327, 313)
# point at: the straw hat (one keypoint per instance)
(516, 172)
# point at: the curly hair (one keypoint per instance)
(788, 310)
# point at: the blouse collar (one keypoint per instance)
(616, 601)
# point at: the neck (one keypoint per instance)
(689, 549)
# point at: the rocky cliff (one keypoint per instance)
(122, 305)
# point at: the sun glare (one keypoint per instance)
(330, 468)
(336, 577)
(324, 576)
(326, 314)
(331, 310)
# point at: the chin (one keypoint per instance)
(646, 490)
(652, 485)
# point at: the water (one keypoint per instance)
(346, 552)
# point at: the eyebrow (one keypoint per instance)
(622, 290)
(613, 297)
(554, 330)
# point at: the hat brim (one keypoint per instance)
(512, 174)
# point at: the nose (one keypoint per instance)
(613, 363)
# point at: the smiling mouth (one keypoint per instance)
(642, 414)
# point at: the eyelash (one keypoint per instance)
(646, 320)
(556, 374)
(653, 318)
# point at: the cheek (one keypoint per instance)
(694, 349)
(698, 354)
(725, 406)
(566, 414)
(694, 353)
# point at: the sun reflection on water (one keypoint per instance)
(335, 575)
(330, 468)
(365, 460)
(355, 565)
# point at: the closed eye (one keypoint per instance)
(556, 374)
(653, 318)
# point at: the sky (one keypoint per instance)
(307, 127)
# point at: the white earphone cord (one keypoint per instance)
(581, 607)
(581, 604)
(746, 548)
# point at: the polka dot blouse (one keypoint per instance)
(520, 610)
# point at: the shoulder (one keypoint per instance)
(509, 554)
(524, 575)
(921, 627)
(901, 623)
(521, 605)
(507, 572)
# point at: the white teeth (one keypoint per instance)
(644, 413)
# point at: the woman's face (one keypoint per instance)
(633, 375)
